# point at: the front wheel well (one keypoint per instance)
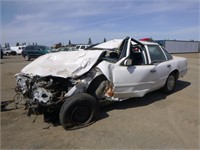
(176, 73)
(97, 87)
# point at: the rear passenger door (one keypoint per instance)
(162, 64)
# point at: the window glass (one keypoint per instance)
(29, 48)
(43, 47)
(61, 49)
(36, 48)
(169, 56)
(156, 53)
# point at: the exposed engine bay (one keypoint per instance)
(48, 92)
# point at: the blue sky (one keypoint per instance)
(52, 21)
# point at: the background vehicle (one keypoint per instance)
(17, 49)
(81, 47)
(73, 84)
(1, 52)
(91, 46)
(34, 51)
(61, 49)
(8, 51)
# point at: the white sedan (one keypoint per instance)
(72, 84)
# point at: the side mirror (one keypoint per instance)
(128, 62)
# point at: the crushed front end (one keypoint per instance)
(42, 94)
(47, 94)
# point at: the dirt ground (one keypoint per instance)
(156, 121)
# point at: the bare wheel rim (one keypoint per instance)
(171, 82)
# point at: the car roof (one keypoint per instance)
(36, 45)
(115, 43)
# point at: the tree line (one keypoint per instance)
(69, 43)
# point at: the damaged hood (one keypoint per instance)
(63, 64)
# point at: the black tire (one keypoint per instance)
(1, 54)
(78, 111)
(27, 57)
(170, 84)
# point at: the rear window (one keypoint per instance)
(156, 53)
(168, 55)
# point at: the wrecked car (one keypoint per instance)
(73, 84)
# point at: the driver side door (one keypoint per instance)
(134, 80)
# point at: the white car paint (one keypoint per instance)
(128, 81)
(138, 80)
(115, 43)
(78, 81)
(133, 81)
(63, 64)
(17, 49)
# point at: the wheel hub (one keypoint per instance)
(171, 82)
(81, 114)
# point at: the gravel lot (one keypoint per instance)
(156, 121)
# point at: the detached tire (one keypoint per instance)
(170, 84)
(78, 111)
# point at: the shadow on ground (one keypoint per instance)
(140, 101)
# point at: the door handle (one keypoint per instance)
(168, 66)
(153, 70)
